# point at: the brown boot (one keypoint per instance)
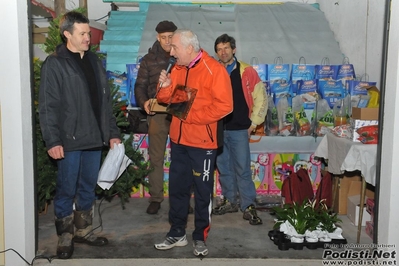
(64, 227)
(84, 228)
(153, 207)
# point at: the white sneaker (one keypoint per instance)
(171, 242)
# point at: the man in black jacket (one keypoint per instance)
(145, 91)
(76, 119)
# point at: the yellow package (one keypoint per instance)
(374, 97)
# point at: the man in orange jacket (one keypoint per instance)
(195, 137)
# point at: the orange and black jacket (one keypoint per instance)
(213, 101)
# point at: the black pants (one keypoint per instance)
(191, 168)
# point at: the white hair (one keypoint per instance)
(187, 37)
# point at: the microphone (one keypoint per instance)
(172, 62)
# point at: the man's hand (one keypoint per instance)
(148, 106)
(251, 129)
(113, 142)
(164, 79)
(56, 152)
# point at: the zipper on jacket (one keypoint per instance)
(208, 129)
(181, 123)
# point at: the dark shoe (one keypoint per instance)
(65, 231)
(225, 207)
(65, 250)
(251, 215)
(190, 209)
(153, 207)
(84, 230)
(200, 248)
(92, 240)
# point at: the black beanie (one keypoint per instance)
(165, 26)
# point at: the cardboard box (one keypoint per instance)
(353, 208)
(348, 186)
(365, 113)
(342, 193)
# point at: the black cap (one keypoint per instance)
(165, 26)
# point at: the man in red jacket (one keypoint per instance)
(195, 136)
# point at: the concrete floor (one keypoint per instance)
(132, 234)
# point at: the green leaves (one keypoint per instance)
(306, 216)
(138, 170)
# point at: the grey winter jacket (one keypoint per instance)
(148, 76)
(65, 112)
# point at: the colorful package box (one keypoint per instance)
(356, 124)
(282, 165)
(268, 170)
(260, 169)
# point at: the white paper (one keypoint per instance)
(113, 166)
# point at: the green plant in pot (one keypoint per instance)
(295, 219)
(327, 223)
(310, 219)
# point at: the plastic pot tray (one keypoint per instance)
(283, 243)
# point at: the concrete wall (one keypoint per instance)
(358, 27)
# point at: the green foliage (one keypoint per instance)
(306, 216)
(327, 220)
(46, 167)
(136, 172)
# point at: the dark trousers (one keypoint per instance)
(191, 168)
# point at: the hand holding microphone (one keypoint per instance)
(163, 78)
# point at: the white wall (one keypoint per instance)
(358, 27)
(15, 98)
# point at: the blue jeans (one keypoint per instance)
(234, 166)
(76, 182)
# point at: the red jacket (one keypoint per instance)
(213, 101)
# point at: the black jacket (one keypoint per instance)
(148, 76)
(65, 112)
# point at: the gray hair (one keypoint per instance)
(187, 37)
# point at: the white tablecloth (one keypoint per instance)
(280, 144)
(346, 155)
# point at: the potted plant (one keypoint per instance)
(310, 219)
(294, 219)
(328, 223)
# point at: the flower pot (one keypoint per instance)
(312, 236)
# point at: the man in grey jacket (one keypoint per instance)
(76, 119)
(145, 90)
